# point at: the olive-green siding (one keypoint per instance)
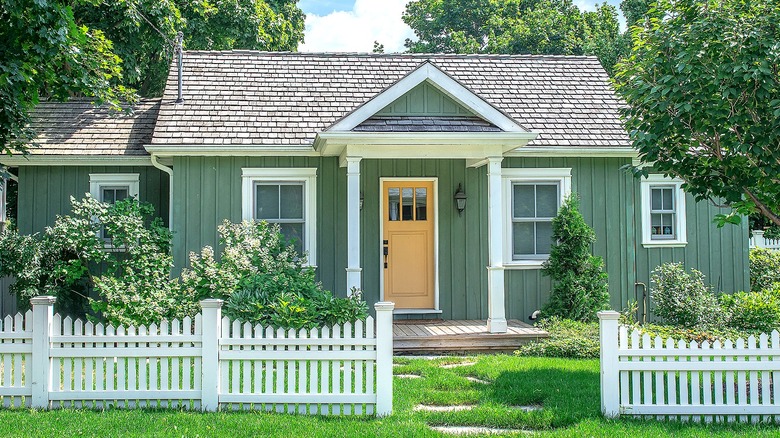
(208, 190)
(424, 100)
(45, 191)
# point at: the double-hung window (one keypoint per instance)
(663, 211)
(113, 187)
(531, 201)
(284, 196)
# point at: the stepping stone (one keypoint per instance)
(432, 408)
(460, 364)
(471, 430)
(475, 380)
(532, 408)
(407, 376)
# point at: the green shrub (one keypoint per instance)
(755, 311)
(568, 339)
(682, 299)
(699, 335)
(764, 269)
(263, 281)
(580, 286)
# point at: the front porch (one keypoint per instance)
(436, 336)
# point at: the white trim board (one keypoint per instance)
(98, 180)
(306, 175)
(75, 160)
(435, 180)
(427, 72)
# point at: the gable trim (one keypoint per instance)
(442, 82)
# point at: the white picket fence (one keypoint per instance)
(665, 379)
(759, 241)
(205, 363)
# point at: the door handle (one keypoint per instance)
(385, 251)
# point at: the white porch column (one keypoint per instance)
(354, 271)
(496, 307)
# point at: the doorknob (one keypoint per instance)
(385, 251)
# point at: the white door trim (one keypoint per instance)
(435, 180)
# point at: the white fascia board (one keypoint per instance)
(440, 80)
(333, 143)
(75, 160)
(569, 151)
(230, 150)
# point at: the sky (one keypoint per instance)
(354, 25)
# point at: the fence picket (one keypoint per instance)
(695, 382)
(741, 378)
(302, 372)
(246, 366)
(719, 387)
(235, 371)
(776, 376)
(752, 379)
(100, 375)
(165, 361)
(623, 343)
(763, 344)
(336, 373)
(280, 372)
(359, 364)
(269, 365)
(706, 380)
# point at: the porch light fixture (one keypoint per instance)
(361, 200)
(460, 199)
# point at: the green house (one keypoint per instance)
(426, 180)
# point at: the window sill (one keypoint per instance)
(665, 244)
(524, 264)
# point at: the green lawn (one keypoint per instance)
(567, 390)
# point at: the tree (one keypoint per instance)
(702, 84)
(45, 52)
(548, 27)
(580, 286)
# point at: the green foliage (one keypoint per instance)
(130, 271)
(753, 311)
(702, 87)
(544, 27)
(580, 286)
(46, 52)
(568, 338)
(764, 269)
(698, 335)
(682, 298)
(263, 280)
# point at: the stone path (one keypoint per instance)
(471, 430)
(434, 408)
(407, 376)
(459, 364)
(476, 380)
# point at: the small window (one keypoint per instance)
(284, 196)
(113, 187)
(532, 197)
(282, 203)
(663, 212)
(534, 205)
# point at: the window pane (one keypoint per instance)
(294, 234)
(291, 204)
(668, 203)
(655, 224)
(523, 238)
(421, 203)
(667, 220)
(109, 196)
(546, 200)
(523, 200)
(543, 237)
(267, 201)
(394, 200)
(656, 199)
(408, 204)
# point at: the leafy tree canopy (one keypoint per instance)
(546, 27)
(702, 84)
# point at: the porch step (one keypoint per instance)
(436, 336)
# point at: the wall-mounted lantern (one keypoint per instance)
(361, 200)
(460, 199)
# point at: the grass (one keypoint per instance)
(567, 390)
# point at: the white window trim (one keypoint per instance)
(98, 180)
(305, 175)
(681, 223)
(561, 176)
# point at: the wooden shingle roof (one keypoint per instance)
(266, 98)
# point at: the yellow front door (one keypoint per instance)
(407, 243)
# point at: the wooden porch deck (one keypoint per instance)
(436, 336)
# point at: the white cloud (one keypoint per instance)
(356, 30)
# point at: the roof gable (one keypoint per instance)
(424, 100)
(427, 74)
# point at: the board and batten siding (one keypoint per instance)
(45, 191)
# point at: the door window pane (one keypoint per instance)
(394, 203)
(421, 203)
(407, 204)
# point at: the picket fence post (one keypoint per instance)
(212, 321)
(40, 369)
(758, 239)
(384, 358)
(610, 382)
